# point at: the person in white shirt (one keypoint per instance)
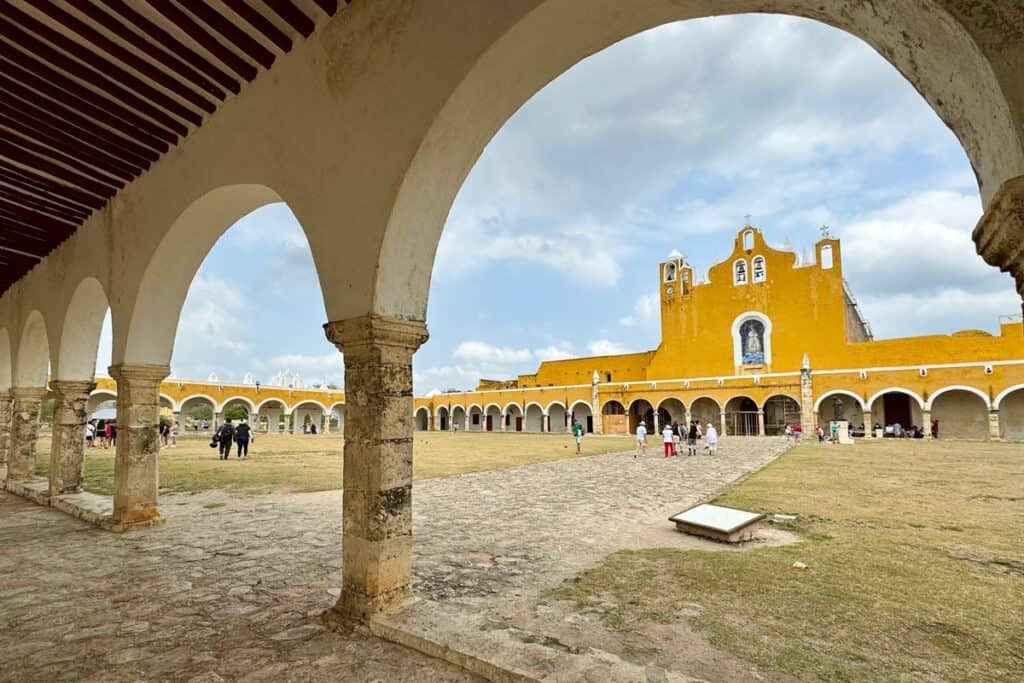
(641, 439)
(711, 439)
(666, 437)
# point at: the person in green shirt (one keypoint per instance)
(577, 432)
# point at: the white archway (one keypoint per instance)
(896, 390)
(32, 360)
(421, 419)
(80, 334)
(957, 387)
(581, 412)
(959, 413)
(557, 417)
(533, 420)
(843, 392)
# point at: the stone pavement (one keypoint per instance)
(234, 588)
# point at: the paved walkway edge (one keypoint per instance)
(88, 507)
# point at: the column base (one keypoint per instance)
(110, 524)
(355, 606)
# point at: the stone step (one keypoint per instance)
(504, 653)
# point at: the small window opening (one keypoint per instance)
(759, 271)
(748, 240)
(740, 277)
(826, 257)
(670, 272)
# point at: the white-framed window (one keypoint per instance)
(752, 339)
(826, 257)
(739, 272)
(758, 268)
(670, 272)
(748, 240)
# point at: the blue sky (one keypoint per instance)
(664, 141)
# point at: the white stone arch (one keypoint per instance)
(80, 333)
(169, 399)
(168, 274)
(274, 399)
(460, 417)
(958, 387)
(898, 390)
(421, 419)
(637, 399)
(742, 396)
(923, 40)
(557, 416)
(305, 409)
(310, 401)
(471, 410)
(533, 417)
(6, 370)
(843, 392)
(622, 404)
(1004, 393)
(249, 404)
(681, 417)
(32, 357)
(98, 397)
(582, 411)
(737, 343)
(442, 418)
(511, 404)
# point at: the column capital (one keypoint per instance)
(72, 387)
(997, 235)
(139, 372)
(36, 393)
(376, 330)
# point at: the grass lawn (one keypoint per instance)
(284, 462)
(915, 554)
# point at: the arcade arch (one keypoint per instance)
(780, 410)
(493, 418)
(421, 420)
(896, 405)
(308, 413)
(197, 413)
(741, 416)
(5, 360)
(671, 410)
(80, 333)
(706, 411)
(533, 420)
(272, 413)
(460, 419)
(32, 359)
(640, 410)
(513, 418)
(557, 417)
(100, 399)
(247, 405)
(337, 417)
(581, 412)
(474, 418)
(961, 413)
(1010, 404)
(442, 419)
(613, 417)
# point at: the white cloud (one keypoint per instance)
(605, 347)
(646, 310)
(482, 352)
(553, 352)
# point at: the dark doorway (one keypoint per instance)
(897, 408)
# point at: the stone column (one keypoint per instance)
(545, 423)
(67, 452)
(721, 419)
(926, 418)
(760, 423)
(595, 405)
(808, 421)
(24, 431)
(136, 475)
(999, 234)
(504, 418)
(217, 419)
(6, 413)
(994, 431)
(377, 503)
(869, 426)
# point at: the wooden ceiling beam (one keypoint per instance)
(152, 50)
(259, 22)
(109, 47)
(99, 64)
(200, 35)
(99, 81)
(295, 17)
(82, 182)
(242, 40)
(40, 184)
(183, 52)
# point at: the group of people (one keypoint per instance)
(228, 434)
(794, 432)
(100, 434)
(673, 435)
(168, 434)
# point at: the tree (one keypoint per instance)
(236, 412)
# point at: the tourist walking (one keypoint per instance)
(242, 437)
(798, 433)
(225, 436)
(641, 439)
(90, 433)
(666, 438)
(789, 432)
(577, 433)
(691, 438)
(712, 439)
(677, 438)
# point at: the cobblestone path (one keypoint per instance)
(233, 588)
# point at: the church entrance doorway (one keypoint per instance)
(897, 409)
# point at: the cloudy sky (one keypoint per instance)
(664, 141)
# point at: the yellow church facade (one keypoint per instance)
(766, 341)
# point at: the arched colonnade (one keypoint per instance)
(371, 184)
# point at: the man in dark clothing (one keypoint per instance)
(225, 435)
(242, 435)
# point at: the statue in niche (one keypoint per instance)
(752, 339)
(837, 408)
